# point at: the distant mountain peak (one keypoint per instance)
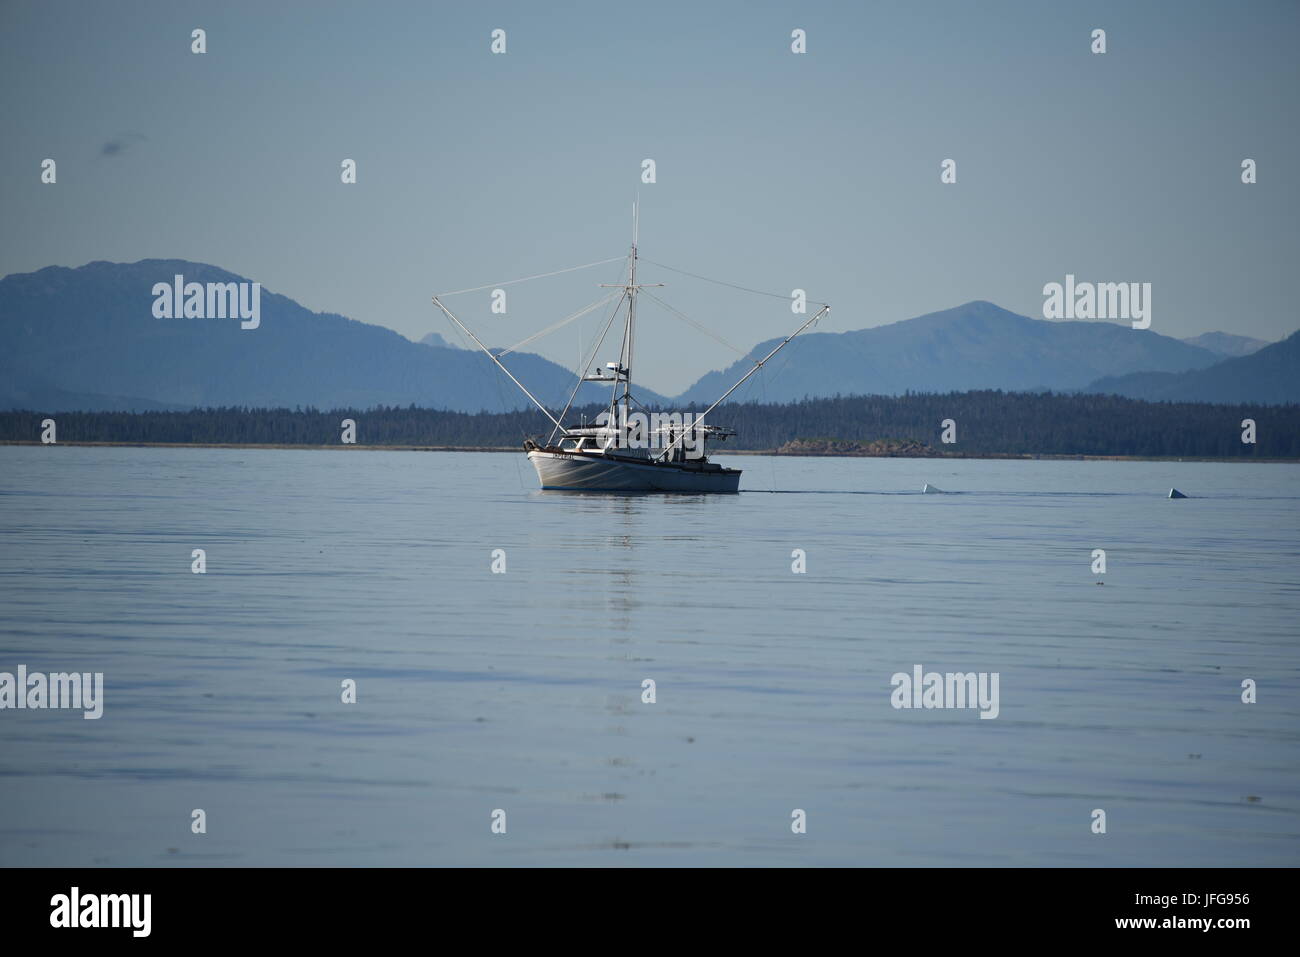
(1227, 344)
(438, 342)
(977, 345)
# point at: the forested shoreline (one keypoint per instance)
(982, 423)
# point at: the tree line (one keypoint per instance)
(984, 422)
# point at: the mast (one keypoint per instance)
(624, 371)
(631, 315)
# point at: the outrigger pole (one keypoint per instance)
(757, 365)
(488, 353)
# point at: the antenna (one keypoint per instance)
(635, 203)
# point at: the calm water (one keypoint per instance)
(522, 691)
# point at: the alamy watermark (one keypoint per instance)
(214, 300)
(657, 431)
(36, 690)
(1103, 300)
(922, 689)
(76, 909)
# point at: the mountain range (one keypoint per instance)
(1270, 375)
(87, 339)
(973, 346)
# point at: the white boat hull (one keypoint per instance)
(602, 473)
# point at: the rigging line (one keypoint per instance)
(757, 365)
(771, 380)
(506, 410)
(501, 396)
(732, 285)
(704, 329)
(505, 407)
(587, 365)
(618, 296)
(623, 346)
(495, 361)
(511, 282)
(563, 322)
(771, 458)
(746, 395)
(777, 374)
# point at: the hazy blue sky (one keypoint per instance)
(775, 170)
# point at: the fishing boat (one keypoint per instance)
(629, 448)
